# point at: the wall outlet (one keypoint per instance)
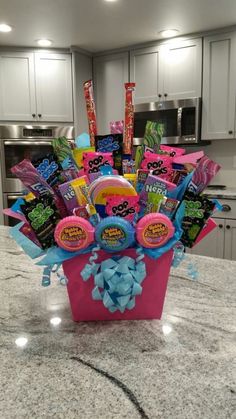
(234, 162)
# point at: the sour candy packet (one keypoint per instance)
(160, 165)
(49, 168)
(112, 143)
(122, 206)
(198, 210)
(43, 216)
(93, 161)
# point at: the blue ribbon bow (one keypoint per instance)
(117, 280)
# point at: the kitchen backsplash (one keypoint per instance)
(224, 153)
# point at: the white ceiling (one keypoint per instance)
(96, 25)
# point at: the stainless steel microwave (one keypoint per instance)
(181, 120)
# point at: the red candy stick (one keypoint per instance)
(91, 111)
(129, 118)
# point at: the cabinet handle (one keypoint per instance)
(226, 208)
(230, 131)
(33, 115)
(159, 95)
(165, 94)
(228, 227)
(39, 115)
(220, 225)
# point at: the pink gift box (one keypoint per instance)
(149, 304)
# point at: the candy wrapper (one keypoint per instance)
(91, 111)
(203, 175)
(198, 210)
(142, 175)
(63, 151)
(42, 216)
(159, 164)
(129, 118)
(128, 166)
(93, 161)
(117, 127)
(122, 206)
(172, 151)
(168, 207)
(31, 178)
(151, 142)
(155, 185)
(49, 168)
(112, 143)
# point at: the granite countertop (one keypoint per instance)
(179, 367)
(227, 193)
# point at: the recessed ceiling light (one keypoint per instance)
(44, 42)
(5, 28)
(169, 33)
(110, 1)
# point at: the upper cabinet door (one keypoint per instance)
(183, 69)
(146, 72)
(110, 74)
(218, 107)
(17, 87)
(54, 87)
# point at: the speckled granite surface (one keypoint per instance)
(179, 367)
(227, 193)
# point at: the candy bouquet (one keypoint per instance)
(115, 218)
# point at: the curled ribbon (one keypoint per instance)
(117, 280)
(47, 272)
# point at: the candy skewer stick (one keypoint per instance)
(129, 118)
(91, 110)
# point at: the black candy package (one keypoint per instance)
(111, 143)
(198, 210)
(49, 168)
(43, 216)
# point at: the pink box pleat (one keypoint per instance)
(149, 305)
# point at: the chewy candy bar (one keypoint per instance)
(129, 118)
(91, 111)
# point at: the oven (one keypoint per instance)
(24, 142)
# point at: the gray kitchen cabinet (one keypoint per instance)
(53, 87)
(213, 244)
(35, 87)
(168, 71)
(110, 74)
(17, 87)
(221, 242)
(182, 69)
(219, 84)
(230, 239)
(146, 72)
